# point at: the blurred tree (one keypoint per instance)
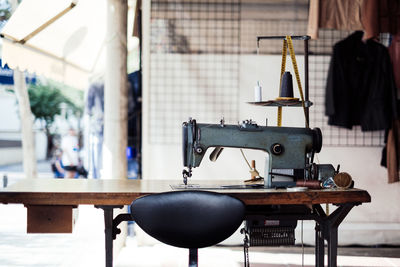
(5, 10)
(47, 101)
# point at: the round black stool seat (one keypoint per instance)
(188, 219)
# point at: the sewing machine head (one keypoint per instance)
(290, 149)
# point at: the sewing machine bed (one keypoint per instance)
(215, 186)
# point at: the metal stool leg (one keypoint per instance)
(193, 257)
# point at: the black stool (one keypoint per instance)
(189, 219)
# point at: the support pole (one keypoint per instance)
(27, 136)
(116, 92)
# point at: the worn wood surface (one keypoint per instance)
(123, 192)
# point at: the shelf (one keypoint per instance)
(281, 103)
(294, 37)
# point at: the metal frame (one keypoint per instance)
(305, 38)
(110, 228)
(326, 226)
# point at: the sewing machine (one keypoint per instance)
(290, 149)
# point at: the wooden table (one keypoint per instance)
(50, 203)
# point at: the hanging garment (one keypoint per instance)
(360, 87)
(394, 51)
(381, 16)
(393, 152)
(334, 14)
(371, 16)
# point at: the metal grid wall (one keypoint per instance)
(195, 57)
(271, 17)
(194, 64)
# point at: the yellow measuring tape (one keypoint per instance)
(283, 67)
(288, 43)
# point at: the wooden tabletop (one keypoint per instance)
(122, 192)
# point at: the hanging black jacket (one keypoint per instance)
(360, 88)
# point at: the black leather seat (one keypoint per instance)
(189, 219)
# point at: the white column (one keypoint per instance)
(116, 92)
(27, 135)
(146, 16)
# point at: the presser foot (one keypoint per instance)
(186, 174)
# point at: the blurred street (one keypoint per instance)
(15, 171)
(84, 247)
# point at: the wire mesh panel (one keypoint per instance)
(290, 17)
(196, 48)
(272, 18)
(194, 64)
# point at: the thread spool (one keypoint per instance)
(253, 167)
(312, 184)
(286, 91)
(343, 180)
(257, 92)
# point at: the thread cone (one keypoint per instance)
(287, 85)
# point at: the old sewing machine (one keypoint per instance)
(290, 160)
(290, 149)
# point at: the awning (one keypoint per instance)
(59, 39)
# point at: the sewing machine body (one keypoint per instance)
(288, 148)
